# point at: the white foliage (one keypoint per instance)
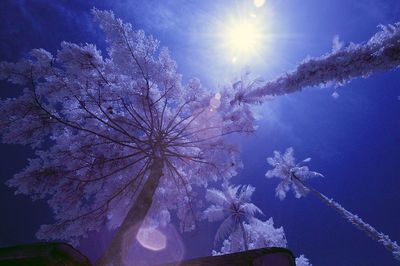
(232, 205)
(105, 120)
(293, 176)
(380, 53)
(260, 235)
(369, 230)
(284, 168)
(302, 261)
(264, 234)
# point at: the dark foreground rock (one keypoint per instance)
(256, 257)
(54, 254)
(42, 254)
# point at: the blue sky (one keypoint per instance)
(353, 140)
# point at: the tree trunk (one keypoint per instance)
(246, 245)
(126, 233)
(390, 245)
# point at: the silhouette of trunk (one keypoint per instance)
(126, 233)
(370, 231)
(246, 245)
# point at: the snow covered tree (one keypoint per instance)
(259, 235)
(302, 261)
(294, 176)
(344, 63)
(117, 138)
(284, 167)
(232, 205)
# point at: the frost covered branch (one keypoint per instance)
(293, 176)
(390, 245)
(380, 53)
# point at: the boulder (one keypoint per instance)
(255, 257)
(42, 254)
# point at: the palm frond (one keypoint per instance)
(214, 213)
(226, 227)
(216, 196)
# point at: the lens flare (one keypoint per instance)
(151, 238)
(215, 101)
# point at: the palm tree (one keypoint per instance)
(232, 205)
(294, 175)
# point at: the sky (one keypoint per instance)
(353, 139)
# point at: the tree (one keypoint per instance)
(294, 176)
(233, 206)
(116, 136)
(344, 63)
(302, 261)
(120, 138)
(259, 235)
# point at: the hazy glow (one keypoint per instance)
(237, 37)
(151, 238)
(243, 37)
(259, 3)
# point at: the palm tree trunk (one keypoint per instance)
(370, 231)
(245, 243)
(116, 251)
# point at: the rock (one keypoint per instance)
(42, 254)
(256, 257)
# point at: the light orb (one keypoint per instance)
(215, 101)
(151, 238)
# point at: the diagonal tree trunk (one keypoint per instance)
(126, 233)
(390, 245)
(380, 53)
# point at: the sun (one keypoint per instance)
(242, 38)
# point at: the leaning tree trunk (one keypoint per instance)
(126, 233)
(246, 245)
(390, 245)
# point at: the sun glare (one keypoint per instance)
(243, 38)
(239, 37)
(259, 3)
